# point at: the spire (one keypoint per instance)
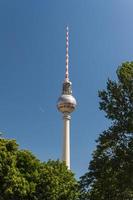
(67, 55)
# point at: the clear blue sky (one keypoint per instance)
(32, 67)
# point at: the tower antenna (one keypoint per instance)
(67, 55)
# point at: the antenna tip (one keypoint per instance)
(67, 28)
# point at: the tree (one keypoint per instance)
(56, 182)
(23, 176)
(110, 172)
(18, 172)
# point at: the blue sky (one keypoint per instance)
(32, 67)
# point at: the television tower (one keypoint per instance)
(66, 104)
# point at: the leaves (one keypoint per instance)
(110, 172)
(23, 176)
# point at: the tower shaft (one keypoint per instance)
(66, 143)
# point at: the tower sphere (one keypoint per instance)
(66, 103)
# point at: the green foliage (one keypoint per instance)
(24, 177)
(56, 182)
(110, 173)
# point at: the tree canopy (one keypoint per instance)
(110, 172)
(24, 177)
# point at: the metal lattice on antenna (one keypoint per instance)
(67, 55)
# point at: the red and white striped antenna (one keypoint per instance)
(67, 55)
